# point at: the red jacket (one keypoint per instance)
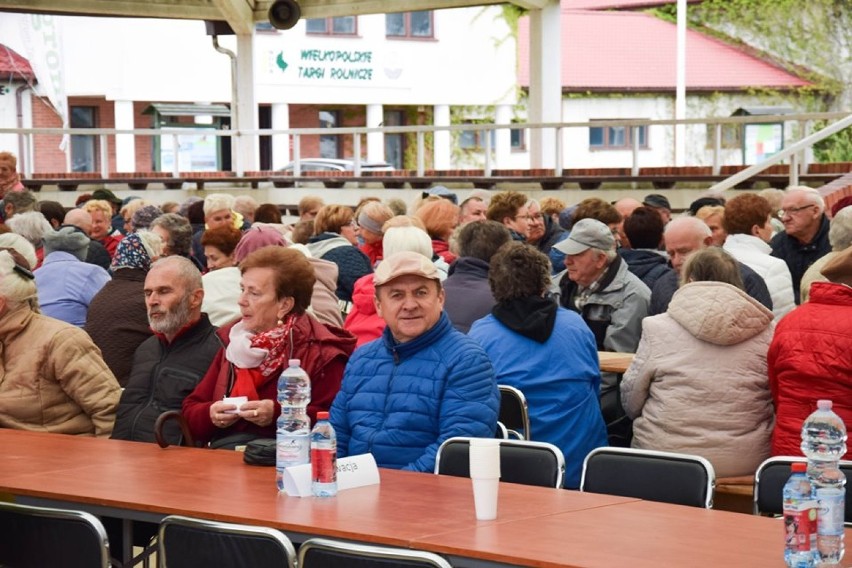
(363, 320)
(442, 249)
(323, 351)
(373, 252)
(810, 358)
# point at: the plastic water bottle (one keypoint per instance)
(293, 427)
(824, 443)
(323, 458)
(800, 519)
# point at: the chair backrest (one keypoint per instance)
(772, 474)
(187, 542)
(33, 537)
(521, 461)
(326, 553)
(681, 479)
(514, 412)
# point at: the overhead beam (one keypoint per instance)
(531, 4)
(238, 14)
(333, 8)
(185, 9)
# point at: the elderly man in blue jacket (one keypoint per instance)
(420, 383)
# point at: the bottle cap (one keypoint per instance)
(322, 415)
(798, 467)
(294, 362)
(824, 404)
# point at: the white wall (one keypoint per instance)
(471, 61)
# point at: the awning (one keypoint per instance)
(187, 109)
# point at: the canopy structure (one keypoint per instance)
(241, 15)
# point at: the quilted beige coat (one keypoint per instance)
(699, 384)
(53, 378)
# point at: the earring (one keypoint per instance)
(280, 321)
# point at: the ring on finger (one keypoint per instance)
(255, 413)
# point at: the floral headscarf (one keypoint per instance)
(131, 253)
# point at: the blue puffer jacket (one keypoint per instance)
(400, 401)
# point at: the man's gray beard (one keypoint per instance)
(174, 320)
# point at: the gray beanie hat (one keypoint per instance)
(67, 239)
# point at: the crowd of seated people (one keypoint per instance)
(407, 324)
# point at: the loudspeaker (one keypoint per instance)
(283, 14)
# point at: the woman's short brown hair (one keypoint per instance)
(596, 208)
(505, 204)
(439, 217)
(744, 212)
(292, 273)
(267, 213)
(223, 238)
(332, 219)
(712, 264)
(517, 271)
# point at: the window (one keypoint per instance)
(731, 136)
(83, 147)
(395, 143)
(518, 139)
(329, 143)
(344, 25)
(616, 137)
(474, 139)
(264, 27)
(410, 25)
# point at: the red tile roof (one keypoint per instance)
(632, 51)
(12, 65)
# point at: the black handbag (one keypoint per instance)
(260, 451)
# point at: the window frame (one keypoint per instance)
(407, 28)
(329, 27)
(89, 140)
(337, 138)
(607, 144)
(478, 143)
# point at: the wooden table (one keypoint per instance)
(535, 526)
(614, 362)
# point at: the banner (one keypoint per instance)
(42, 45)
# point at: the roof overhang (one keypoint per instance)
(241, 15)
(187, 109)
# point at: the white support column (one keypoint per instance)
(441, 145)
(280, 142)
(375, 140)
(503, 137)
(545, 99)
(246, 153)
(125, 144)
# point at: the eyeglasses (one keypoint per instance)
(527, 217)
(536, 217)
(784, 212)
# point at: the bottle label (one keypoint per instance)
(324, 465)
(292, 450)
(831, 510)
(800, 520)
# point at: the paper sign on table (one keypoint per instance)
(354, 471)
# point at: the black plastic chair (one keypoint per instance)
(326, 553)
(191, 543)
(34, 537)
(772, 474)
(521, 461)
(680, 479)
(514, 412)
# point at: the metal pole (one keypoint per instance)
(104, 156)
(421, 155)
(487, 152)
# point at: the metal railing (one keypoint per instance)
(559, 130)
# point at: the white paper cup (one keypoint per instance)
(485, 498)
(485, 458)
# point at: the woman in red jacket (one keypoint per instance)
(277, 284)
(810, 357)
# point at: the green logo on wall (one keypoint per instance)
(280, 61)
